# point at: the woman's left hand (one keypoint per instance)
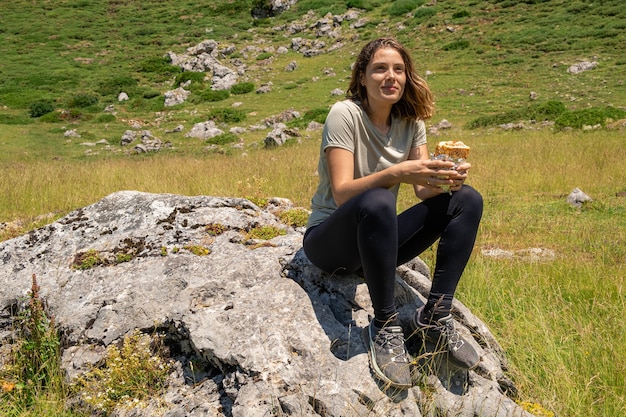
(459, 180)
(454, 179)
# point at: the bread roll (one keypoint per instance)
(454, 149)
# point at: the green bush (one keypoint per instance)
(320, 6)
(360, 4)
(161, 66)
(214, 95)
(549, 110)
(105, 118)
(456, 45)
(39, 108)
(223, 139)
(195, 78)
(150, 94)
(317, 115)
(52, 117)
(402, 7)
(242, 88)
(264, 55)
(227, 115)
(114, 86)
(82, 100)
(460, 14)
(587, 117)
(424, 13)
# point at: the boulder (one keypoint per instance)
(253, 327)
(204, 130)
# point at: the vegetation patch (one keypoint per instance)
(314, 115)
(197, 250)
(215, 229)
(265, 233)
(39, 108)
(83, 100)
(213, 95)
(550, 110)
(297, 217)
(594, 116)
(242, 88)
(226, 115)
(131, 375)
(87, 260)
(32, 371)
(115, 85)
(402, 7)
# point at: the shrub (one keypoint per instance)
(223, 139)
(587, 117)
(151, 94)
(35, 362)
(52, 117)
(318, 115)
(264, 55)
(460, 14)
(105, 118)
(424, 13)
(549, 110)
(242, 88)
(214, 95)
(227, 115)
(194, 77)
(401, 7)
(161, 66)
(456, 45)
(137, 370)
(39, 108)
(82, 100)
(116, 85)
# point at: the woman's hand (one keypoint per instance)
(433, 177)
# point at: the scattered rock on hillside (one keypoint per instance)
(252, 326)
(581, 67)
(175, 97)
(204, 130)
(577, 198)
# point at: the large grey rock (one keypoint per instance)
(266, 331)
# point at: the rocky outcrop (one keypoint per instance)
(253, 327)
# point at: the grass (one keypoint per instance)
(560, 322)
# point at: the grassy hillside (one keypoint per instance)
(560, 322)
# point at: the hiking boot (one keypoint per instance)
(445, 337)
(388, 356)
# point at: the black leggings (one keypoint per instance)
(366, 233)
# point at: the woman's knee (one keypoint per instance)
(470, 199)
(379, 201)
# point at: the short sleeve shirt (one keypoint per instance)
(349, 127)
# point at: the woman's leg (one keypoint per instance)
(454, 219)
(362, 233)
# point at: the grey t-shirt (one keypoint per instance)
(348, 126)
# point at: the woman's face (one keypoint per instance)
(384, 78)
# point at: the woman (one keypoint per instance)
(372, 142)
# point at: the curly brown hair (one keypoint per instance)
(417, 100)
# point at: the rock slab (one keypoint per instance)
(266, 331)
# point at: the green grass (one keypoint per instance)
(560, 322)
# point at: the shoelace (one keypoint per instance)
(455, 341)
(391, 342)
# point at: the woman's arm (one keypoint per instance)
(418, 170)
